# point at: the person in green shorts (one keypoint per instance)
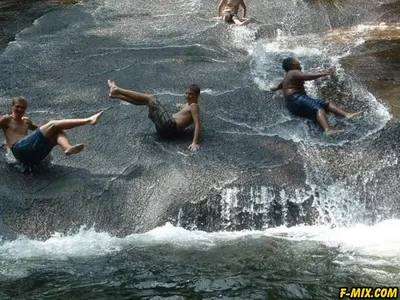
(166, 124)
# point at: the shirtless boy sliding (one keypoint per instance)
(299, 103)
(166, 124)
(32, 148)
(230, 9)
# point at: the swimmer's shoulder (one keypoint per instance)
(4, 121)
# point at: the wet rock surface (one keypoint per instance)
(377, 65)
(251, 171)
(17, 15)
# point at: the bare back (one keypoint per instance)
(232, 5)
(292, 84)
(13, 129)
(184, 117)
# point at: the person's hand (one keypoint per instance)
(179, 106)
(331, 71)
(193, 147)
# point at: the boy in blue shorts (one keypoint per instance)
(299, 103)
(32, 148)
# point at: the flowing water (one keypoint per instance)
(269, 208)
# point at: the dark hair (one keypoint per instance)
(286, 63)
(19, 99)
(195, 88)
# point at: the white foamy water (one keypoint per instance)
(243, 37)
(381, 240)
(267, 73)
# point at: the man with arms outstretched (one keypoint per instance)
(165, 123)
(230, 9)
(32, 148)
(299, 103)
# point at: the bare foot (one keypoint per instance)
(95, 118)
(356, 115)
(113, 88)
(245, 22)
(330, 132)
(74, 149)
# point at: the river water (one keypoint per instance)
(269, 208)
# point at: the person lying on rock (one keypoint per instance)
(166, 124)
(32, 148)
(300, 104)
(230, 9)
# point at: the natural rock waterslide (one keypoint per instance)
(258, 166)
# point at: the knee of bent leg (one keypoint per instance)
(326, 106)
(321, 112)
(52, 125)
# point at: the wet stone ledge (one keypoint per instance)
(377, 65)
(17, 15)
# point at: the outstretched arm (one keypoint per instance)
(244, 9)
(312, 76)
(278, 87)
(194, 109)
(220, 6)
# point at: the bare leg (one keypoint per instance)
(50, 129)
(355, 115)
(322, 120)
(339, 112)
(129, 95)
(125, 98)
(336, 110)
(240, 22)
(62, 140)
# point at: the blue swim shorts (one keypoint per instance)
(33, 148)
(305, 106)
